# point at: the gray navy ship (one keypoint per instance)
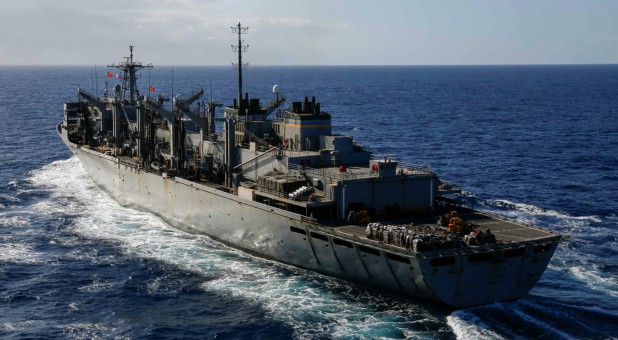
(276, 182)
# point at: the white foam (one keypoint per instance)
(61, 174)
(13, 221)
(98, 285)
(515, 210)
(19, 326)
(467, 325)
(592, 278)
(88, 330)
(75, 305)
(19, 252)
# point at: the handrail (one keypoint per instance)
(329, 173)
(416, 167)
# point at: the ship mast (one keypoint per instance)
(240, 48)
(129, 68)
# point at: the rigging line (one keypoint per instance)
(91, 82)
(96, 81)
(149, 86)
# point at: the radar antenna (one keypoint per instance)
(240, 48)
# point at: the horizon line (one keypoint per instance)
(315, 65)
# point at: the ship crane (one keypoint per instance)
(170, 117)
(183, 105)
(202, 122)
(96, 102)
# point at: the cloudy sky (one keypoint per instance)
(310, 32)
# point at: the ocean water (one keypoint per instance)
(538, 144)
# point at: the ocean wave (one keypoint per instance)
(533, 317)
(593, 309)
(514, 208)
(13, 221)
(587, 273)
(467, 325)
(98, 285)
(19, 327)
(88, 330)
(19, 253)
(8, 199)
(546, 327)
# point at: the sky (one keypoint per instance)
(310, 32)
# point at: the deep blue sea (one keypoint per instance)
(538, 144)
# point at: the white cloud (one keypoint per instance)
(301, 23)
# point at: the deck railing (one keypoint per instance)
(415, 167)
(330, 172)
(352, 174)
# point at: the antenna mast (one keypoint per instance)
(129, 77)
(240, 48)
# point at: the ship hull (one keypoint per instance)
(287, 237)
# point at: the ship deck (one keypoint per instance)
(506, 231)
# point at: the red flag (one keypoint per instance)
(152, 89)
(109, 74)
(118, 76)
